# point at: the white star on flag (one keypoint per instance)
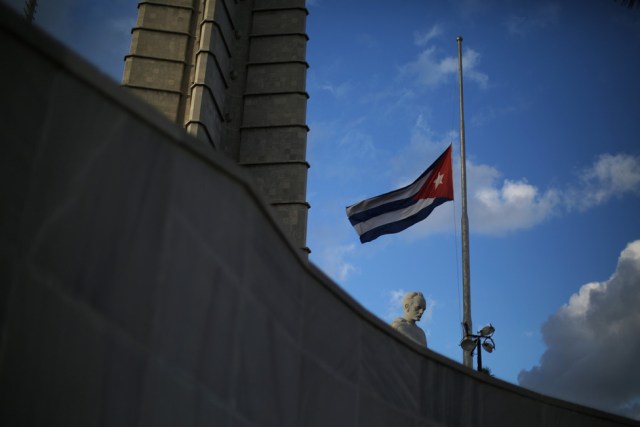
(438, 180)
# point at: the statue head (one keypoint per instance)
(414, 306)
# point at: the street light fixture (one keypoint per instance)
(481, 340)
(487, 331)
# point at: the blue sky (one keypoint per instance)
(552, 103)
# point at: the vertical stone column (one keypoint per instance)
(273, 135)
(159, 64)
(213, 71)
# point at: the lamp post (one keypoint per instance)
(481, 340)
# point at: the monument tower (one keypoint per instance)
(233, 73)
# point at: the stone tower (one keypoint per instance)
(233, 73)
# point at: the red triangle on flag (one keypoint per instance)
(440, 181)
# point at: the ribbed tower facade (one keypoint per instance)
(233, 73)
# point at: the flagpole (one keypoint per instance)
(466, 287)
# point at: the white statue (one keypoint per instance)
(414, 306)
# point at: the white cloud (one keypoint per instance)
(497, 208)
(337, 90)
(316, 83)
(428, 313)
(334, 261)
(489, 114)
(497, 205)
(423, 38)
(424, 145)
(611, 176)
(431, 70)
(352, 142)
(538, 19)
(592, 344)
(394, 304)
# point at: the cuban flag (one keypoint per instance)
(394, 211)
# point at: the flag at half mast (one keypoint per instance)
(397, 210)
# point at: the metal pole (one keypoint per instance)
(479, 356)
(466, 287)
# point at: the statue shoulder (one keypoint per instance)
(399, 322)
(410, 330)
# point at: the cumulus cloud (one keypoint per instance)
(498, 205)
(429, 69)
(592, 349)
(333, 260)
(422, 38)
(537, 19)
(610, 176)
(490, 113)
(505, 205)
(394, 304)
(337, 90)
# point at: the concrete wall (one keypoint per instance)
(144, 281)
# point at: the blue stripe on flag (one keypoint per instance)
(382, 209)
(398, 226)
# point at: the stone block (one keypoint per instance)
(266, 145)
(159, 45)
(278, 4)
(278, 48)
(274, 78)
(275, 110)
(205, 111)
(161, 17)
(292, 218)
(286, 21)
(230, 8)
(209, 74)
(154, 73)
(211, 43)
(281, 182)
(225, 25)
(167, 103)
(181, 3)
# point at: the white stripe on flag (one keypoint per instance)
(403, 193)
(394, 216)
